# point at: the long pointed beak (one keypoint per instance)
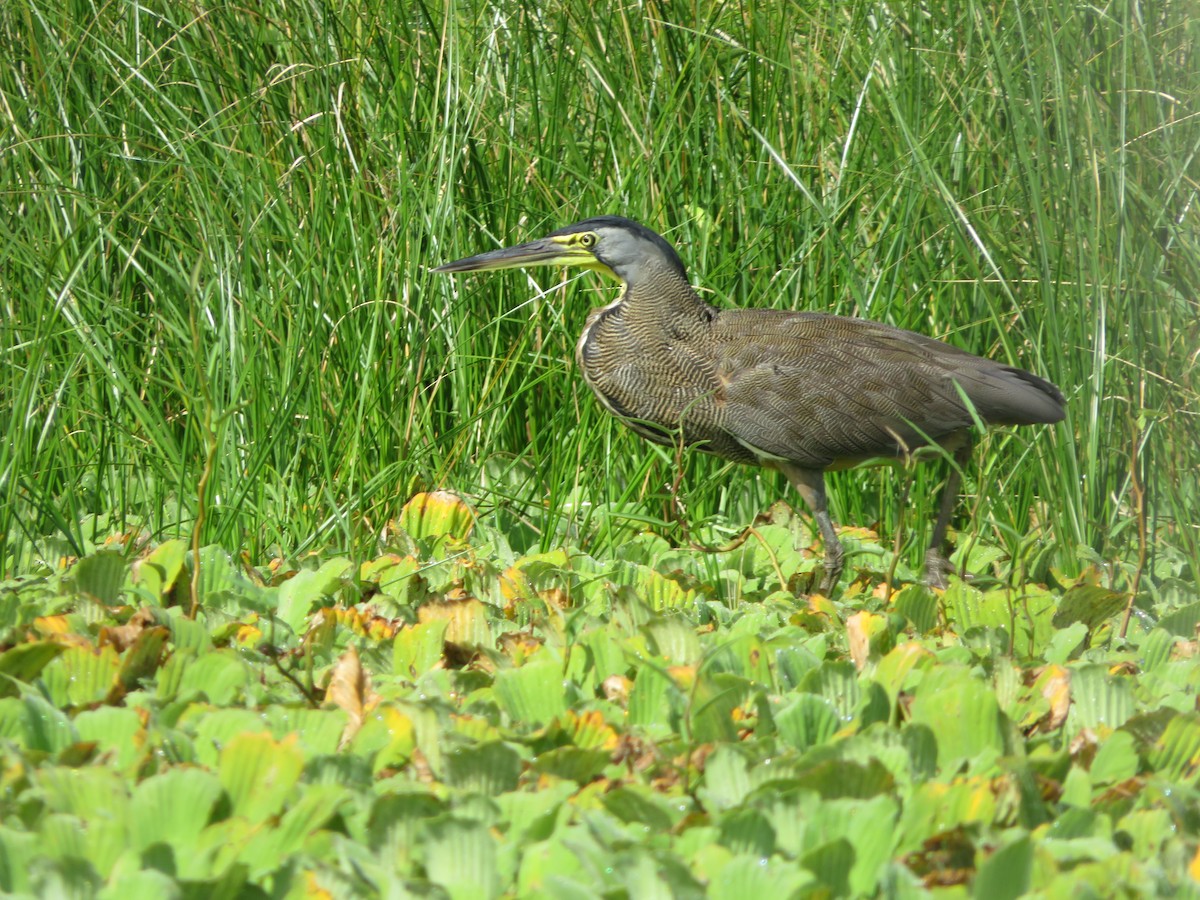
(543, 252)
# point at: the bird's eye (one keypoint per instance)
(587, 241)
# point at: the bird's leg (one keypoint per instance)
(937, 567)
(811, 485)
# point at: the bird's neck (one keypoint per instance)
(661, 304)
(642, 320)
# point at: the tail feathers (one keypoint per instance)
(1006, 395)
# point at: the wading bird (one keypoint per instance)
(800, 392)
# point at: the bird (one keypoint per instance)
(800, 392)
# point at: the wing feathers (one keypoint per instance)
(817, 389)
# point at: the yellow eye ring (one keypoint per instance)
(587, 241)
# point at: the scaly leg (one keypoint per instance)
(811, 485)
(937, 567)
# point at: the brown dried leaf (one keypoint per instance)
(123, 636)
(518, 645)
(616, 689)
(350, 689)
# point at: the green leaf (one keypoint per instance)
(319, 730)
(838, 683)
(835, 778)
(1006, 874)
(534, 815)
(1182, 622)
(726, 779)
(552, 869)
(674, 639)
(649, 698)
(466, 621)
(921, 744)
(157, 571)
(17, 848)
(807, 722)
(490, 769)
(935, 808)
(259, 774)
(24, 662)
(1156, 649)
(831, 863)
(748, 876)
(744, 656)
(143, 658)
(1030, 613)
(1066, 643)
(268, 849)
(1177, 754)
(532, 694)
(307, 591)
(187, 634)
(893, 671)
(660, 592)
(792, 662)
(397, 823)
(919, 605)
(1090, 604)
(747, 831)
(81, 675)
(1116, 760)
(218, 577)
(35, 724)
(86, 792)
(771, 554)
(961, 711)
(640, 805)
(460, 857)
(643, 873)
(147, 884)
(63, 837)
(220, 675)
(875, 706)
(573, 763)
(101, 576)
(400, 580)
(713, 702)
(173, 808)
(1099, 699)
(115, 730)
(418, 648)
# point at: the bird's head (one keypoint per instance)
(614, 246)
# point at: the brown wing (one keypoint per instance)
(817, 389)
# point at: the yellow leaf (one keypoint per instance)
(1054, 684)
(860, 629)
(466, 620)
(683, 676)
(820, 605)
(590, 731)
(437, 514)
(52, 624)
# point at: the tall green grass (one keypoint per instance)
(218, 220)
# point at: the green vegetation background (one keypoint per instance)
(218, 222)
(255, 642)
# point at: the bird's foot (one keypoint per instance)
(835, 559)
(937, 569)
